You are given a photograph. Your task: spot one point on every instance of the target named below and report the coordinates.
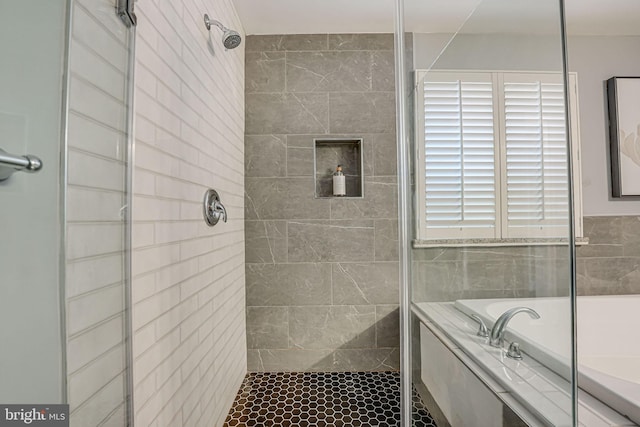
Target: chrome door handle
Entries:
(214, 210)
(10, 163)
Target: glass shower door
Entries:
(490, 246)
(97, 214)
(65, 98)
(32, 45)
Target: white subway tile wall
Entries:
(188, 279)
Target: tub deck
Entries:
(539, 387)
(608, 350)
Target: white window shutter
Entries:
(535, 158)
(493, 151)
(459, 168)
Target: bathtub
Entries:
(608, 342)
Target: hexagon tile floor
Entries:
(316, 399)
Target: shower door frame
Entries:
(128, 228)
(404, 210)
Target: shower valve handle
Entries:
(213, 209)
(219, 210)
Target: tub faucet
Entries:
(496, 337)
(482, 329)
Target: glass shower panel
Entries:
(491, 261)
(65, 98)
(97, 248)
(32, 44)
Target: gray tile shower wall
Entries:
(321, 274)
(608, 265)
(448, 274)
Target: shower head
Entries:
(230, 38)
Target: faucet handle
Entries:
(514, 351)
(220, 210)
(482, 330)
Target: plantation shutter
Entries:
(459, 184)
(492, 151)
(535, 157)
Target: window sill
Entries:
(452, 243)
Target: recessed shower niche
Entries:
(328, 155)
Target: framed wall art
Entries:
(623, 94)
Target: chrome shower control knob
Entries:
(219, 210)
(213, 209)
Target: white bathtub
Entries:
(608, 342)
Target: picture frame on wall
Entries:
(623, 95)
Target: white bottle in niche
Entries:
(339, 186)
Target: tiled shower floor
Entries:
(323, 399)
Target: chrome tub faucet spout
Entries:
(496, 337)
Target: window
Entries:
(492, 156)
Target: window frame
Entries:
(500, 233)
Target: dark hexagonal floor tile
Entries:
(323, 399)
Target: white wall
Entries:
(597, 59)
(487, 52)
(188, 288)
(593, 58)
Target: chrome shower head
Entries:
(230, 38)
